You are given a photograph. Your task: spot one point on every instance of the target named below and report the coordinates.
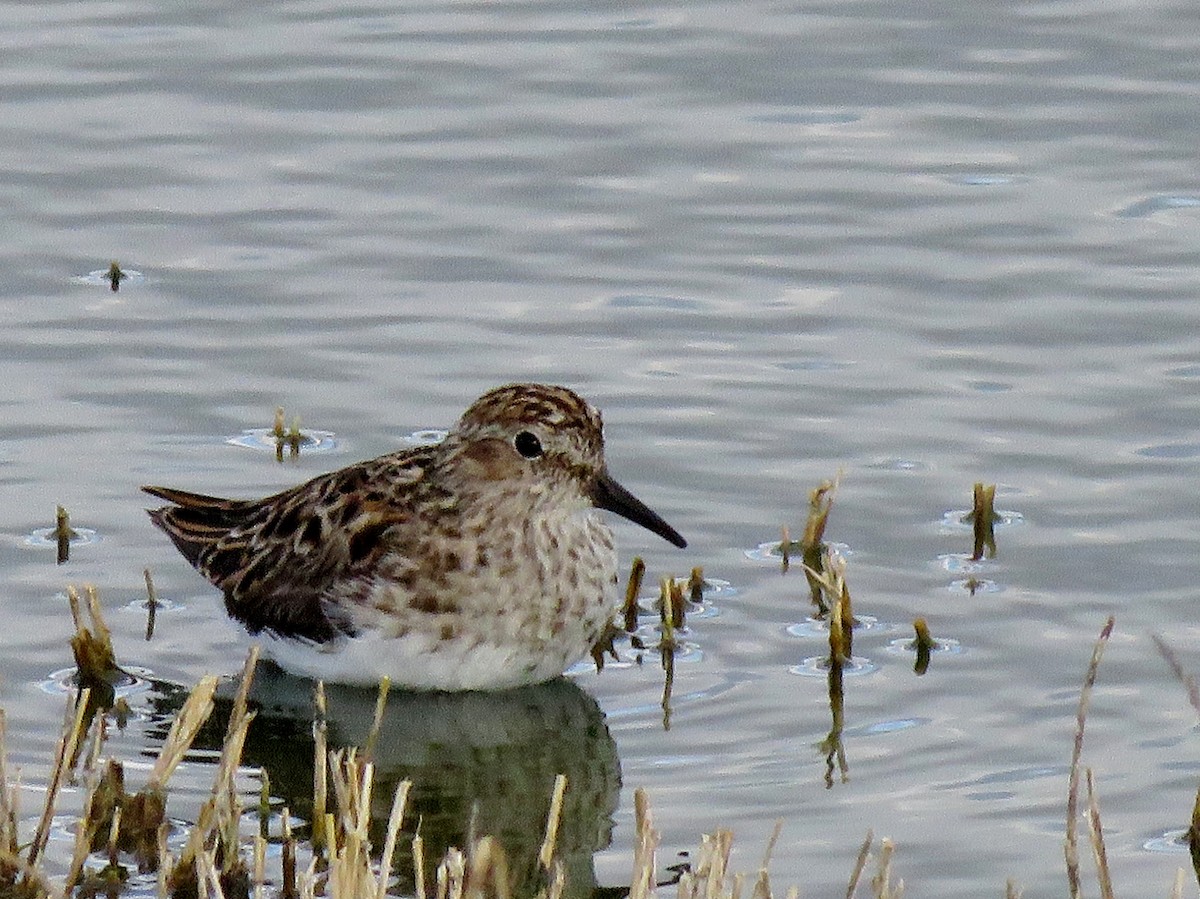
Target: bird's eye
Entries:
(528, 445)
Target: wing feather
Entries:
(275, 558)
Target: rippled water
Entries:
(922, 243)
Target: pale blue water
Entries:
(921, 243)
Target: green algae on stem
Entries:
(63, 533)
(983, 520)
(831, 582)
(95, 658)
(840, 637)
(835, 599)
(295, 437)
(607, 646)
(637, 571)
(292, 438)
(670, 609)
(695, 585)
(115, 276)
(811, 545)
(677, 604)
(924, 644)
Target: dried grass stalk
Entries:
(1071, 843)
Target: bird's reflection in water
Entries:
(480, 763)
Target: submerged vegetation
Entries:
(115, 276)
(63, 534)
(290, 437)
(983, 521)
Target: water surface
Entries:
(924, 244)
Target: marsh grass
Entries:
(218, 859)
(290, 438)
(812, 546)
(923, 644)
(120, 830)
(115, 276)
(63, 532)
(982, 519)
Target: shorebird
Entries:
(477, 563)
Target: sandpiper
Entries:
(473, 564)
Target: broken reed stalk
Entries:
(666, 612)
(347, 826)
(645, 842)
(289, 888)
(196, 709)
(1177, 887)
(418, 857)
(677, 603)
(670, 608)
(762, 886)
(711, 869)
(452, 874)
(924, 644)
(295, 437)
(92, 646)
(860, 865)
(553, 819)
(845, 614)
(812, 543)
(319, 838)
(1071, 843)
(62, 534)
(279, 432)
(67, 743)
(637, 571)
(668, 663)
(785, 549)
(881, 883)
(385, 686)
(1096, 834)
(983, 520)
(85, 833)
(395, 822)
(830, 580)
(151, 605)
(487, 872)
(212, 853)
(264, 804)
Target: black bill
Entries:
(608, 494)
